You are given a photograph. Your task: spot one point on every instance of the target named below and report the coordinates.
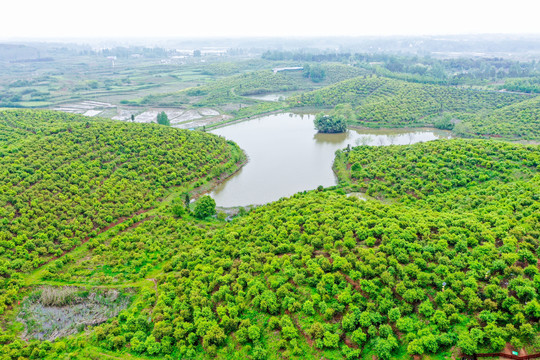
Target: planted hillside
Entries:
(325, 275)
(264, 81)
(521, 120)
(69, 178)
(436, 167)
(451, 266)
(381, 101)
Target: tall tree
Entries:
(163, 119)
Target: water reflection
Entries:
(287, 155)
(331, 138)
(271, 97)
(381, 137)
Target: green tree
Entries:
(178, 209)
(317, 73)
(331, 340)
(204, 206)
(467, 344)
(163, 119)
(254, 333)
(334, 123)
(394, 314)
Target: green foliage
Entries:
(330, 123)
(310, 274)
(528, 85)
(444, 122)
(315, 73)
(379, 101)
(65, 179)
(521, 120)
(437, 167)
(178, 209)
(163, 119)
(232, 88)
(204, 206)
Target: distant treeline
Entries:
(423, 69)
(32, 60)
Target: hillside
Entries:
(322, 274)
(236, 88)
(67, 179)
(436, 167)
(380, 101)
(446, 263)
(521, 120)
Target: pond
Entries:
(287, 155)
(271, 96)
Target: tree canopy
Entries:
(163, 119)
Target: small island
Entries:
(336, 121)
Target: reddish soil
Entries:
(294, 319)
(349, 343)
(134, 225)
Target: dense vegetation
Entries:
(380, 101)
(452, 262)
(528, 85)
(380, 97)
(330, 123)
(336, 121)
(322, 274)
(443, 259)
(436, 167)
(68, 179)
(517, 120)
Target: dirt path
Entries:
(87, 238)
(294, 319)
(155, 289)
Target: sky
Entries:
(274, 18)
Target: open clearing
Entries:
(53, 312)
(179, 118)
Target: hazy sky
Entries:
(202, 18)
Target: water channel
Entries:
(287, 155)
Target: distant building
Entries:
(297, 68)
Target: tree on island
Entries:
(163, 119)
(330, 123)
(336, 121)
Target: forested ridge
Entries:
(445, 261)
(380, 101)
(66, 179)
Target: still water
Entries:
(271, 96)
(287, 155)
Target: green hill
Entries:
(381, 101)
(447, 263)
(521, 120)
(68, 179)
(436, 167)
